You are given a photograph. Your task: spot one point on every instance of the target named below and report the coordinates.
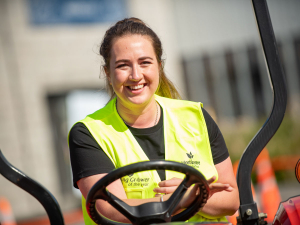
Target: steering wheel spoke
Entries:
(177, 195)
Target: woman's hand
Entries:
(169, 186)
(217, 187)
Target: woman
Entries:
(143, 121)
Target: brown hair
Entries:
(130, 26)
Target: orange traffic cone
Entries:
(269, 191)
(6, 216)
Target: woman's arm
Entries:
(225, 202)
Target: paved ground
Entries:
(288, 190)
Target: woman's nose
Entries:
(136, 73)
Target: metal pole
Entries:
(35, 189)
(248, 209)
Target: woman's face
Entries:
(134, 70)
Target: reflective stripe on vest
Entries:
(186, 141)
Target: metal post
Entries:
(248, 209)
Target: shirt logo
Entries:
(190, 155)
(135, 181)
(190, 161)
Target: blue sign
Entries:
(44, 12)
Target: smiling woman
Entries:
(146, 120)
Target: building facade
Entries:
(50, 73)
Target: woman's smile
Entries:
(136, 87)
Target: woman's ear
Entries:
(107, 74)
(160, 65)
(106, 70)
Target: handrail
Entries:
(39, 192)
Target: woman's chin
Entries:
(139, 100)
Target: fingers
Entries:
(167, 186)
(158, 195)
(216, 187)
(209, 181)
(168, 183)
(166, 190)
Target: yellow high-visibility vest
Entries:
(186, 141)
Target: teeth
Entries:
(136, 87)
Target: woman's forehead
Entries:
(133, 44)
(131, 38)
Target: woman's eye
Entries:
(146, 62)
(121, 65)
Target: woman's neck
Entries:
(140, 116)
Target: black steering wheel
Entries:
(151, 212)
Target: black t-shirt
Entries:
(88, 158)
